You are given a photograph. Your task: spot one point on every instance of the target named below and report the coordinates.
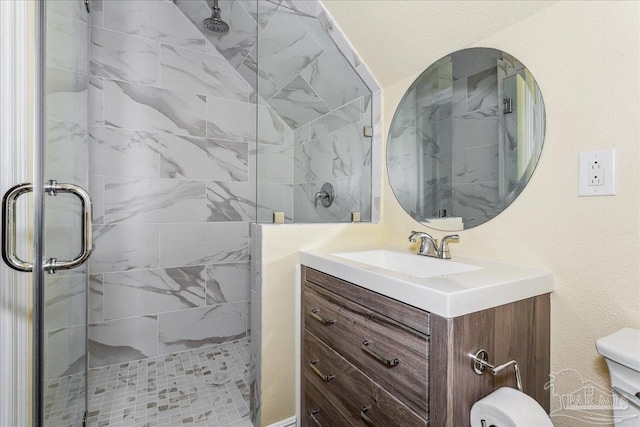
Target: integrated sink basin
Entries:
(448, 288)
(407, 263)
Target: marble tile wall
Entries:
(300, 101)
(301, 52)
(172, 132)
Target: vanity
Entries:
(388, 337)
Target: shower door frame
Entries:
(15, 288)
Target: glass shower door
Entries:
(67, 230)
(57, 217)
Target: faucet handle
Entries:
(444, 246)
(417, 235)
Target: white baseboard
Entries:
(289, 422)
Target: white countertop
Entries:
(488, 284)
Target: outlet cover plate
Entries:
(606, 159)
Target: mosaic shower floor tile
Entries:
(202, 387)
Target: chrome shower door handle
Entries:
(9, 228)
(52, 188)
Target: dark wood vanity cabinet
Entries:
(369, 360)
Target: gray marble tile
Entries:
(231, 201)
(122, 152)
(96, 101)
(482, 89)
(66, 349)
(195, 72)
(348, 157)
(302, 135)
(136, 293)
(321, 76)
(124, 340)
(338, 119)
(200, 158)
(274, 198)
(256, 77)
(67, 153)
(365, 198)
(310, 7)
(475, 129)
(298, 104)
(236, 44)
(204, 243)
(368, 78)
(68, 91)
(460, 167)
(301, 203)
(67, 43)
(228, 283)
(475, 203)
(286, 47)
(274, 163)
(200, 327)
(233, 45)
(459, 97)
(483, 164)
(96, 189)
(313, 160)
(231, 120)
(96, 298)
(97, 13)
(65, 301)
(261, 10)
(339, 39)
(134, 106)
(69, 9)
(156, 20)
(147, 200)
(124, 57)
(124, 247)
(271, 128)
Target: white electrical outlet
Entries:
(597, 173)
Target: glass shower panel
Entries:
(65, 161)
(313, 109)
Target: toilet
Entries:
(621, 350)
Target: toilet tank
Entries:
(622, 353)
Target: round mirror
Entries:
(465, 139)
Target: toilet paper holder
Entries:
(481, 363)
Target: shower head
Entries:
(215, 23)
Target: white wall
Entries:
(585, 59)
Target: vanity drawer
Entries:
(350, 391)
(391, 354)
(413, 317)
(317, 411)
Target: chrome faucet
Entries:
(429, 246)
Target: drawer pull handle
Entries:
(380, 358)
(365, 417)
(315, 315)
(325, 378)
(312, 415)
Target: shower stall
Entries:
(185, 121)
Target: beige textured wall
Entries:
(585, 57)
(281, 244)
